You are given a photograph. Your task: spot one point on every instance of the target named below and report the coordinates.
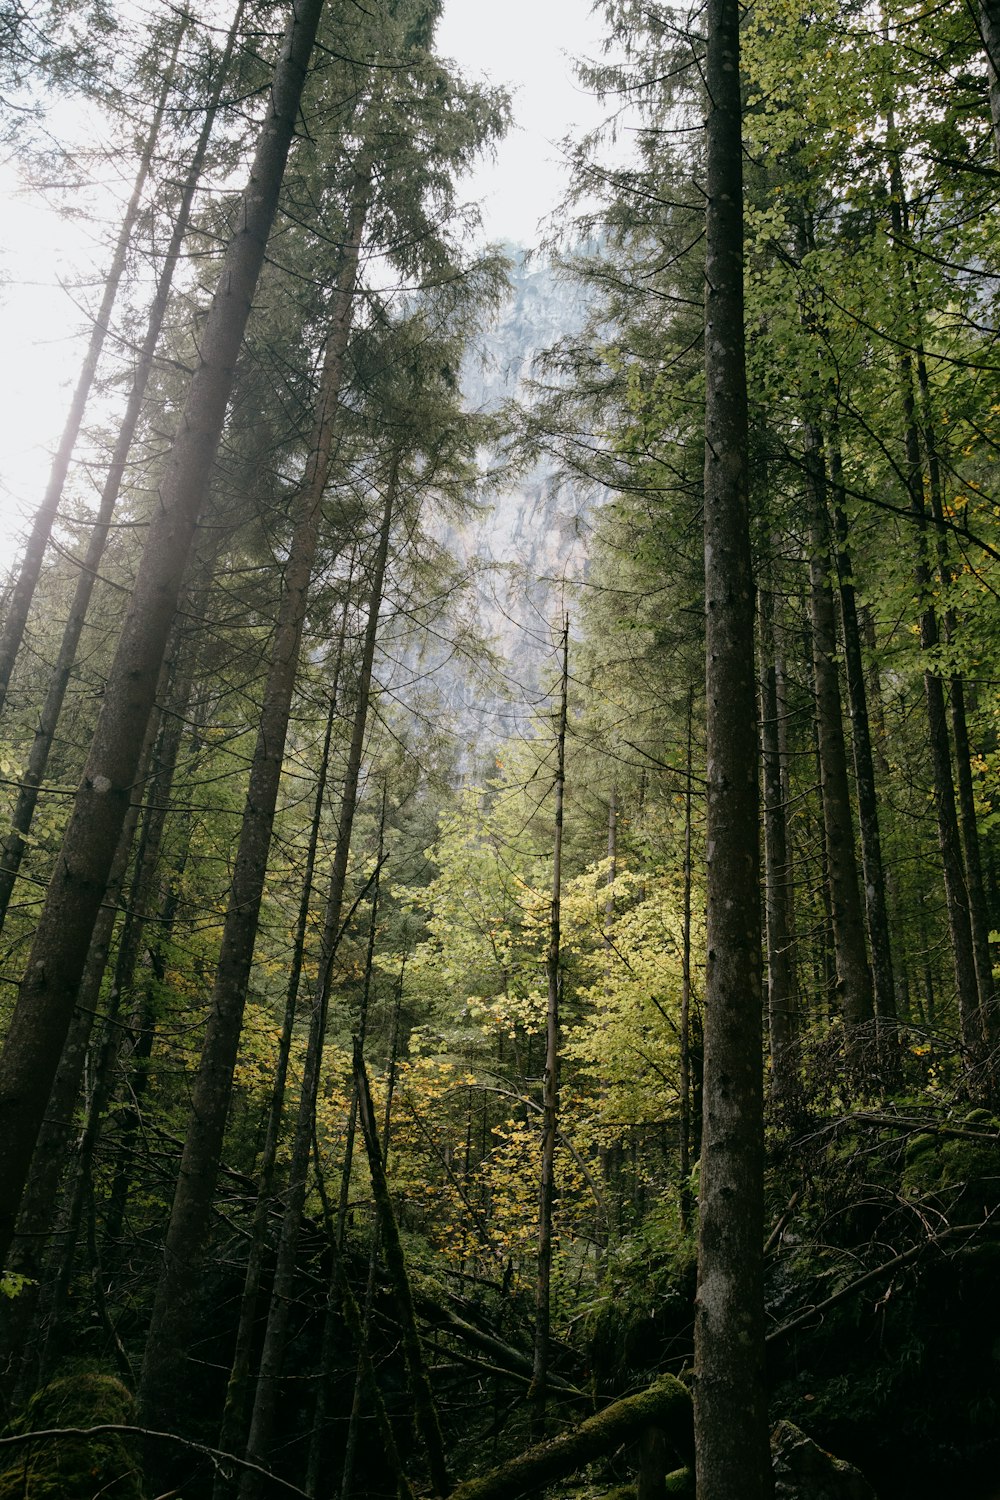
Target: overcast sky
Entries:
(528, 45)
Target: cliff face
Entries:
(524, 550)
(530, 541)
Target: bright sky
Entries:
(527, 45)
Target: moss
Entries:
(666, 1404)
(953, 1169)
(74, 1468)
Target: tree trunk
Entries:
(24, 809)
(854, 980)
(684, 1070)
(192, 1206)
(873, 869)
(989, 30)
(272, 1357)
(321, 1406)
(949, 840)
(47, 1227)
(45, 1000)
(232, 1436)
(781, 998)
(731, 1434)
(19, 603)
(979, 921)
(537, 1393)
(423, 1399)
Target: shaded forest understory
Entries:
(361, 1104)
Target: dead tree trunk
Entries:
(665, 1406)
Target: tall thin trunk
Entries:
(854, 980)
(979, 922)
(684, 1079)
(45, 999)
(15, 843)
(989, 30)
(321, 1407)
(12, 631)
(949, 839)
(272, 1357)
(425, 1410)
(731, 1433)
(609, 898)
(358, 1323)
(352, 1116)
(538, 1390)
(781, 996)
(43, 1248)
(872, 865)
(192, 1205)
(238, 1390)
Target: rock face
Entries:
(804, 1471)
(529, 543)
(525, 549)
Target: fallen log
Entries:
(666, 1405)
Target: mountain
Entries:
(528, 545)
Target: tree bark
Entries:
(731, 1435)
(45, 1000)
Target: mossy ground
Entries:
(74, 1468)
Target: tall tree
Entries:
(550, 1075)
(45, 1000)
(731, 1434)
(15, 842)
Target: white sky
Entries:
(527, 45)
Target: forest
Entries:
(449, 1054)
